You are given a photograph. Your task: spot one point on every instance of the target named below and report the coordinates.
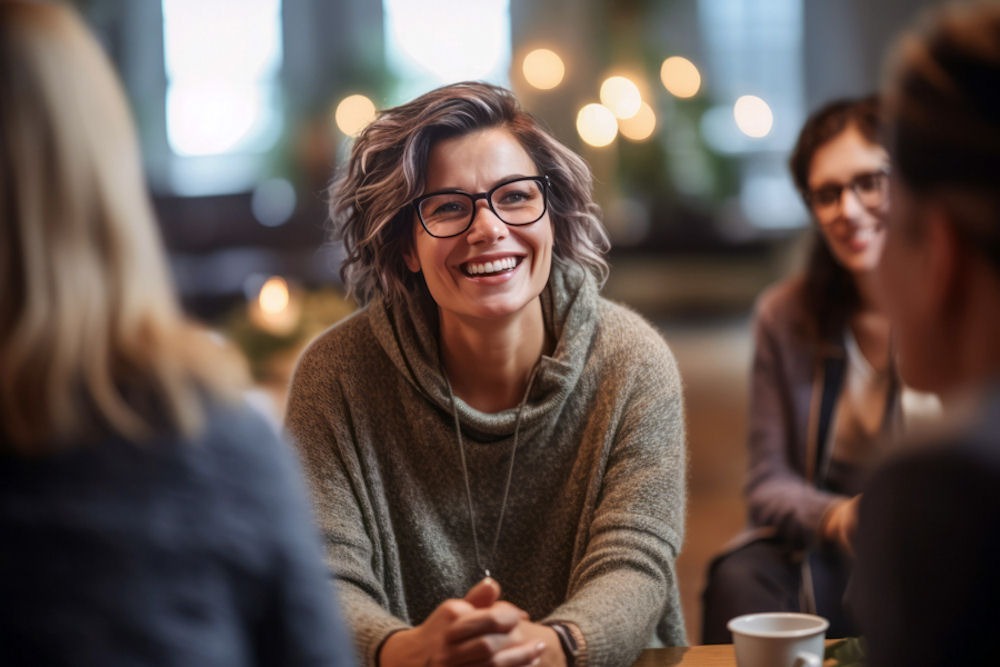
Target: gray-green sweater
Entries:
(596, 512)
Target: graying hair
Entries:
(370, 198)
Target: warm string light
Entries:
(543, 69)
(753, 116)
(353, 114)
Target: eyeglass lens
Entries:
(517, 202)
(869, 188)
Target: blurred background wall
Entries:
(246, 107)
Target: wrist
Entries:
(574, 646)
(401, 648)
(829, 522)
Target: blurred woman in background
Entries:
(146, 516)
(824, 391)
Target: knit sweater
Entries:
(595, 517)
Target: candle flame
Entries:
(273, 297)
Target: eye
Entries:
(445, 206)
(516, 194)
(868, 182)
(826, 195)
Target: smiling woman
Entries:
(824, 389)
(537, 434)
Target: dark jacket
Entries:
(165, 553)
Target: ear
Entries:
(945, 279)
(411, 259)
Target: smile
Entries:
(491, 268)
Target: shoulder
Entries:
(782, 302)
(782, 313)
(349, 341)
(625, 337)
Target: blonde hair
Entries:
(370, 200)
(92, 341)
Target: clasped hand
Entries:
(478, 630)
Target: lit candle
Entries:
(276, 309)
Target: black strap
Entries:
(833, 379)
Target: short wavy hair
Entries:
(370, 198)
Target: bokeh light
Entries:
(353, 114)
(274, 295)
(596, 125)
(680, 77)
(753, 116)
(621, 96)
(543, 69)
(640, 126)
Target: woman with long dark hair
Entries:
(824, 391)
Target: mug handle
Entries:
(807, 660)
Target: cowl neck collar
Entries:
(408, 333)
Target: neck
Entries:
(974, 356)
(870, 324)
(869, 299)
(489, 362)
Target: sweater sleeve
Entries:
(777, 492)
(624, 589)
(319, 423)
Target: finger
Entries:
(484, 593)
(522, 655)
(501, 618)
(484, 654)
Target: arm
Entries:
(318, 421)
(465, 632)
(777, 491)
(624, 587)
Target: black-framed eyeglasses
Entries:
(517, 202)
(871, 188)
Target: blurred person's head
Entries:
(416, 149)
(91, 338)
(840, 168)
(941, 269)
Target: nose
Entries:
(486, 226)
(850, 205)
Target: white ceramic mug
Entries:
(779, 639)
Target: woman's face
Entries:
(455, 268)
(849, 198)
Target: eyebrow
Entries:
(503, 179)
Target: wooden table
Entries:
(711, 655)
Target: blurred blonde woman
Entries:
(146, 516)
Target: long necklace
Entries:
(465, 474)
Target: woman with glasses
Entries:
(824, 392)
(496, 452)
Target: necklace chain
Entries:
(465, 474)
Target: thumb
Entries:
(483, 594)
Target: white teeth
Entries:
(504, 264)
